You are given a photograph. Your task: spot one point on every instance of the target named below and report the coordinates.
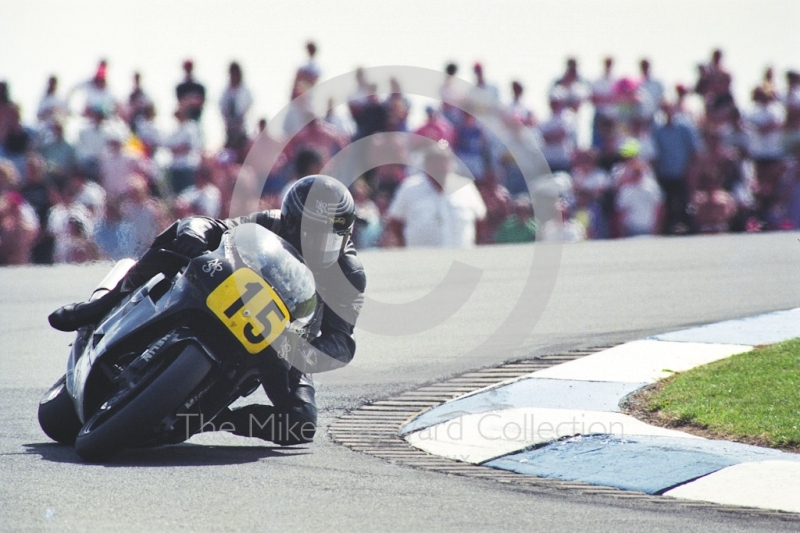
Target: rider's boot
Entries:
(265, 422)
(74, 316)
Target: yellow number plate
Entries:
(250, 308)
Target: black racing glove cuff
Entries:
(196, 235)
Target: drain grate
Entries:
(373, 428)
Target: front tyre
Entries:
(57, 416)
(102, 436)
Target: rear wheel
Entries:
(130, 416)
(57, 416)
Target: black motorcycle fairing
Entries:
(206, 305)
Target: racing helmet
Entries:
(317, 216)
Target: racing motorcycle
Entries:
(183, 346)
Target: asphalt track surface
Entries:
(606, 292)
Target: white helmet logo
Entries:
(322, 208)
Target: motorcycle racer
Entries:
(316, 218)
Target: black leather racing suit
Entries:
(293, 416)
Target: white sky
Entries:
(527, 40)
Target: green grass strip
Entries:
(750, 395)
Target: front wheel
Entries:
(57, 416)
(109, 431)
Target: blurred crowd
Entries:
(660, 159)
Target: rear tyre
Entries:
(106, 433)
(57, 416)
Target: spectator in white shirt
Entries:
(652, 89)
(765, 121)
(65, 213)
(89, 194)
(792, 98)
(576, 88)
(451, 95)
(440, 208)
(96, 93)
(603, 98)
(186, 145)
(518, 109)
(117, 163)
(310, 71)
(145, 214)
(484, 95)
(558, 132)
(52, 108)
(91, 143)
(791, 136)
(765, 143)
(639, 198)
(146, 130)
(234, 104)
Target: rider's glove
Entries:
(193, 236)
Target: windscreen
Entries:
(279, 264)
